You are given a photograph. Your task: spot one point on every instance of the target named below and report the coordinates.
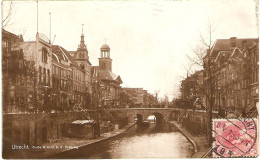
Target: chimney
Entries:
(233, 42)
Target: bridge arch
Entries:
(160, 118)
(160, 114)
(139, 118)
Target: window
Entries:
(20, 63)
(22, 81)
(5, 65)
(48, 78)
(40, 74)
(58, 84)
(44, 55)
(18, 80)
(4, 44)
(44, 76)
(61, 83)
(64, 85)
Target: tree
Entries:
(166, 99)
(202, 58)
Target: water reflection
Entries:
(146, 145)
(159, 145)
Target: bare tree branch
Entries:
(6, 19)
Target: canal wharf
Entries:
(64, 145)
(200, 143)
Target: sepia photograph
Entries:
(129, 79)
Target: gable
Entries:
(119, 79)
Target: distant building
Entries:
(136, 96)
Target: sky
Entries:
(149, 40)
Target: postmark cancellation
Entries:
(235, 138)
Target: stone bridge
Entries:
(162, 114)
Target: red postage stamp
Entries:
(235, 138)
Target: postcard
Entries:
(128, 79)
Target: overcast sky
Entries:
(149, 40)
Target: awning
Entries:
(83, 122)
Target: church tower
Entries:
(105, 62)
(82, 58)
(81, 55)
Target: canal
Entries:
(139, 142)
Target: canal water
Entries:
(139, 142)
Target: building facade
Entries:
(233, 70)
(230, 74)
(27, 84)
(62, 92)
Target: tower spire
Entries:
(82, 29)
(37, 17)
(82, 42)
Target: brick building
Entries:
(62, 80)
(233, 73)
(233, 65)
(12, 63)
(74, 79)
(27, 91)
